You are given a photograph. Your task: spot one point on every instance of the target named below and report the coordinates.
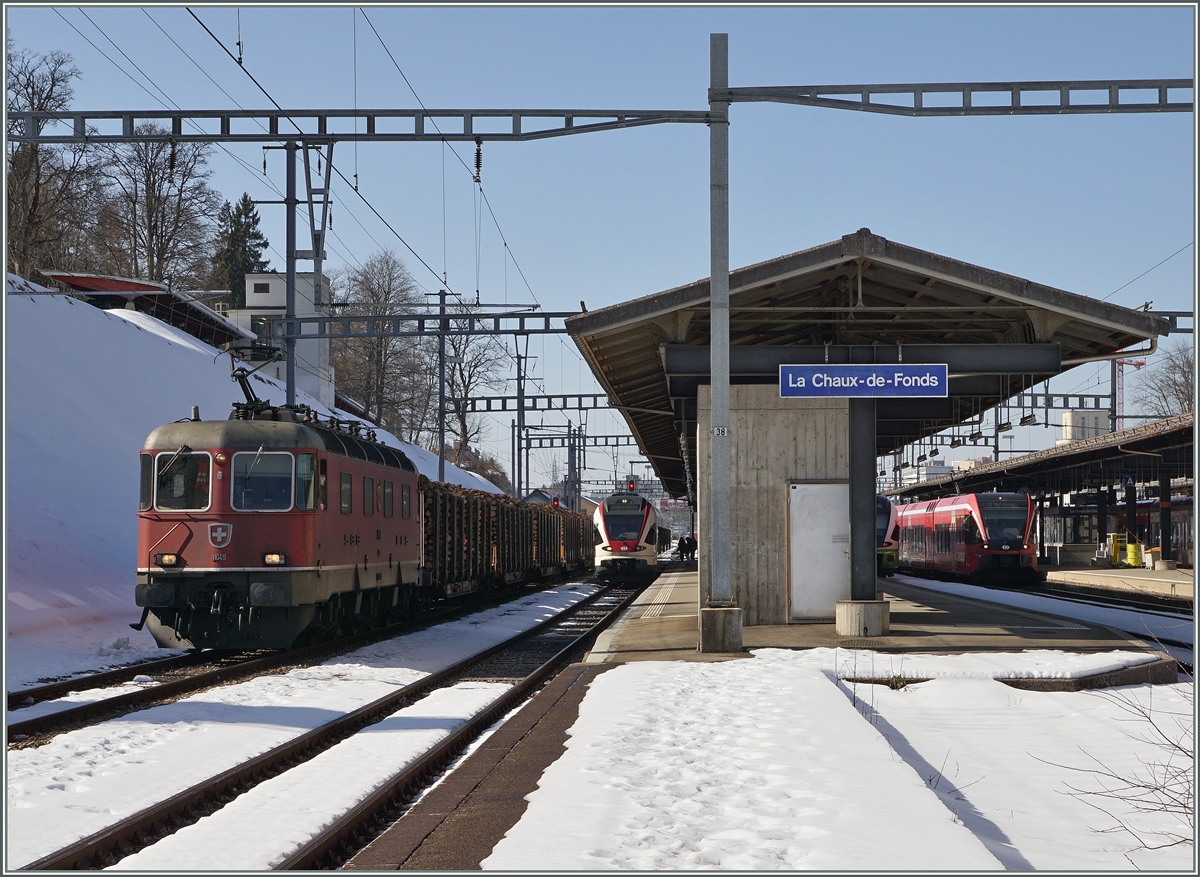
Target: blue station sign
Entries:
(864, 381)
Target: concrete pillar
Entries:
(720, 621)
(1164, 516)
(862, 499)
(720, 629)
(864, 618)
(1102, 514)
(1131, 529)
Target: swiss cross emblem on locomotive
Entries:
(219, 535)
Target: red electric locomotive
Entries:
(978, 536)
(275, 527)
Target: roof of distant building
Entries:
(175, 308)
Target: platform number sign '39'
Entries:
(219, 535)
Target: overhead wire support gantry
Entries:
(314, 126)
(998, 98)
(415, 325)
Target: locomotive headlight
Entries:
(166, 559)
(274, 559)
(221, 458)
(985, 545)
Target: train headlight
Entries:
(274, 559)
(985, 545)
(166, 559)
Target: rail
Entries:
(134, 832)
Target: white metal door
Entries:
(818, 549)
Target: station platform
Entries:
(662, 625)
(458, 823)
(1178, 583)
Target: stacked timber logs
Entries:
(475, 541)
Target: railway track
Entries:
(546, 648)
(1106, 597)
(186, 674)
(29, 696)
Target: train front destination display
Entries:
(863, 381)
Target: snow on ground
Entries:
(85, 780)
(262, 827)
(78, 698)
(83, 389)
(777, 764)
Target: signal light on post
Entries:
(632, 484)
(554, 502)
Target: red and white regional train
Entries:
(628, 529)
(979, 536)
(274, 528)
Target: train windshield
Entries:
(883, 517)
(623, 527)
(262, 481)
(181, 481)
(1004, 517)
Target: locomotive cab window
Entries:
(347, 493)
(182, 481)
(387, 499)
(146, 498)
(405, 501)
(262, 481)
(306, 481)
(323, 487)
(368, 496)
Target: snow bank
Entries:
(84, 387)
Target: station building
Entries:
(799, 465)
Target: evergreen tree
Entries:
(240, 247)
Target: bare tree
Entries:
(1162, 785)
(390, 377)
(1167, 386)
(161, 222)
(54, 193)
(477, 362)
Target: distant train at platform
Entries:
(980, 537)
(886, 537)
(276, 528)
(628, 533)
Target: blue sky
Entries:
(1084, 203)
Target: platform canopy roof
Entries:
(862, 298)
(1144, 453)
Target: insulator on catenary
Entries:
(478, 157)
(171, 159)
